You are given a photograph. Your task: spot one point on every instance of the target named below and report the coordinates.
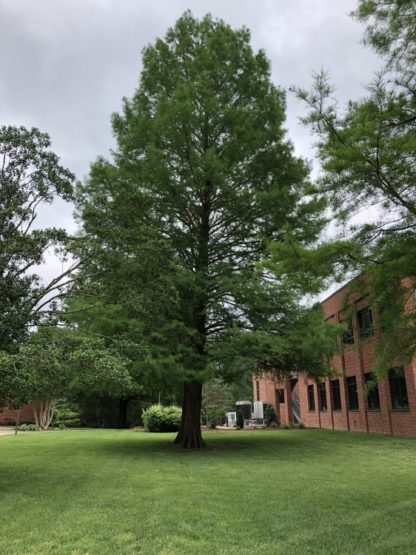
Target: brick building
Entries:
(340, 402)
(9, 416)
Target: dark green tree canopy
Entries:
(30, 174)
(203, 172)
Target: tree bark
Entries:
(43, 412)
(190, 436)
(17, 423)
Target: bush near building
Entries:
(216, 416)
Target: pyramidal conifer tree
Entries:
(202, 179)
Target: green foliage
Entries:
(367, 155)
(219, 397)
(269, 414)
(99, 370)
(216, 416)
(107, 411)
(66, 416)
(217, 392)
(240, 420)
(391, 29)
(158, 418)
(30, 174)
(56, 363)
(13, 386)
(27, 428)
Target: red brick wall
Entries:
(268, 387)
(8, 416)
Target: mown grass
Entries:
(272, 492)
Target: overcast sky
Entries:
(65, 65)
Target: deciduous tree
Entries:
(55, 364)
(30, 174)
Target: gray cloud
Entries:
(66, 65)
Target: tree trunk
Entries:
(189, 435)
(17, 423)
(123, 404)
(43, 412)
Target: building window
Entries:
(373, 398)
(398, 389)
(352, 393)
(336, 395)
(322, 396)
(311, 398)
(281, 395)
(383, 315)
(348, 334)
(258, 390)
(365, 322)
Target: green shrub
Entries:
(157, 418)
(27, 428)
(66, 416)
(216, 416)
(269, 414)
(70, 423)
(240, 419)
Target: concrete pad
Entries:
(6, 431)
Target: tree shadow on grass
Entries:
(227, 445)
(300, 446)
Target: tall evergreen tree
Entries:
(203, 178)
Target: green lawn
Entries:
(271, 492)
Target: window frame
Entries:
(347, 337)
(396, 383)
(365, 328)
(373, 394)
(311, 406)
(338, 399)
(322, 398)
(353, 408)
